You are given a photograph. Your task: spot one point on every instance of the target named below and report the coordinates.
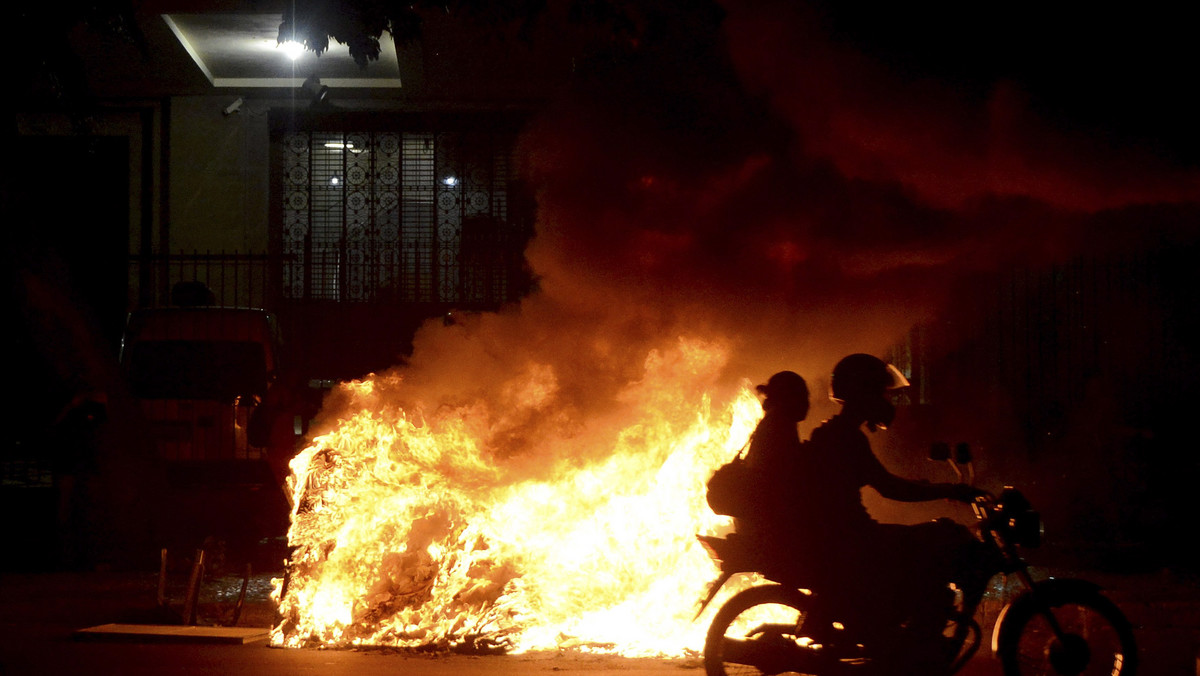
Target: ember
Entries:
(411, 531)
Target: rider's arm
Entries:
(906, 490)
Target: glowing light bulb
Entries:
(292, 49)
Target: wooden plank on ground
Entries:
(171, 633)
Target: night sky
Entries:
(1122, 73)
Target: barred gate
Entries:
(421, 217)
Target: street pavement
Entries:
(41, 614)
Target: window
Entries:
(219, 370)
(400, 216)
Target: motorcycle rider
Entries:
(878, 574)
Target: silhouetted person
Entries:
(877, 574)
(480, 257)
(774, 450)
(75, 463)
(192, 294)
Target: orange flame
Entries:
(408, 532)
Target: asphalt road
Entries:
(131, 659)
(41, 614)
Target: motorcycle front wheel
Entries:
(758, 631)
(1093, 637)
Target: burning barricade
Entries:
(410, 529)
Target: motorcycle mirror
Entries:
(962, 453)
(939, 450)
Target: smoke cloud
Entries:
(781, 194)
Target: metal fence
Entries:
(491, 272)
(222, 278)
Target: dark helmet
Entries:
(783, 385)
(785, 393)
(862, 376)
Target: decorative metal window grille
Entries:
(416, 217)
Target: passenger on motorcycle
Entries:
(774, 448)
(877, 574)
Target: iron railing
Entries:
(492, 272)
(231, 279)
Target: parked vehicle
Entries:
(1055, 626)
(198, 374)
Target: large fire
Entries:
(409, 531)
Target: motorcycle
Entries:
(1052, 626)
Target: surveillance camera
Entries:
(233, 107)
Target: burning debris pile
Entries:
(410, 531)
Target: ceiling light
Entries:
(292, 49)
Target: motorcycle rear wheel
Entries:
(1098, 639)
(758, 631)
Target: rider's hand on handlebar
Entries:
(963, 493)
